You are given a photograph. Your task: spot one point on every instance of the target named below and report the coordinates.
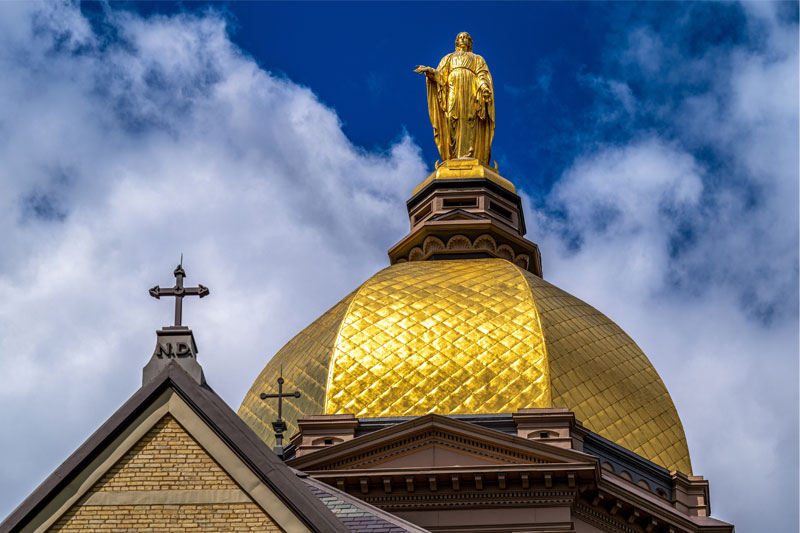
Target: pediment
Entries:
(431, 452)
(434, 441)
(458, 214)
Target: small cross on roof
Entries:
(279, 426)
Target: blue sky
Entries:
(655, 146)
(544, 57)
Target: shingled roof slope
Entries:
(357, 515)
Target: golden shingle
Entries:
(473, 336)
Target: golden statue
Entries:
(461, 103)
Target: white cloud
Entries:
(696, 256)
(621, 205)
(119, 154)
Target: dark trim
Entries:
(623, 459)
(219, 417)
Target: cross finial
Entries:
(279, 426)
(179, 291)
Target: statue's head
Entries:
(464, 42)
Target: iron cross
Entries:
(179, 291)
(279, 426)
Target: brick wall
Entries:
(167, 458)
(172, 518)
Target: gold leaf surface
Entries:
(468, 337)
(440, 337)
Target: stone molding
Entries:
(472, 500)
(166, 497)
(601, 520)
(377, 447)
(431, 438)
(460, 243)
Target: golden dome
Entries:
(472, 336)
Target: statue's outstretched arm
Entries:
(428, 71)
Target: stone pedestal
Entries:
(466, 210)
(174, 343)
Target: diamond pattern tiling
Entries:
(597, 371)
(465, 337)
(440, 336)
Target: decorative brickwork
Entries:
(167, 460)
(141, 518)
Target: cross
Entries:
(279, 426)
(179, 291)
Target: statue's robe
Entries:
(461, 114)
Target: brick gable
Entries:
(165, 482)
(166, 458)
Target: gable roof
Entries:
(219, 418)
(458, 214)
